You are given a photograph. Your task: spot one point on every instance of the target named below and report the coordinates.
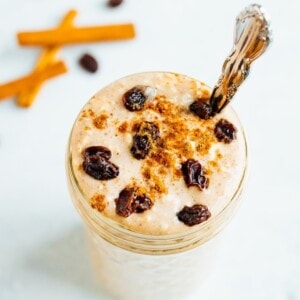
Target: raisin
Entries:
(130, 201)
(193, 174)
(142, 203)
(149, 128)
(202, 109)
(141, 146)
(98, 151)
(114, 3)
(96, 163)
(135, 98)
(89, 63)
(100, 168)
(124, 202)
(194, 215)
(225, 131)
(147, 134)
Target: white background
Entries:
(42, 249)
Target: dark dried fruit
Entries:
(141, 146)
(98, 151)
(147, 134)
(193, 174)
(100, 168)
(96, 163)
(149, 128)
(89, 63)
(202, 109)
(142, 203)
(114, 3)
(225, 131)
(130, 201)
(135, 98)
(194, 215)
(124, 202)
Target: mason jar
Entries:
(132, 265)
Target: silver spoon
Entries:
(253, 35)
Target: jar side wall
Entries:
(130, 275)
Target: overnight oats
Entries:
(155, 176)
(156, 165)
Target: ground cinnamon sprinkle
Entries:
(98, 202)
(83, 115)
(162, 158)
(219, 155)
(161, 105)
(91, 112)
(123, 127)
(100, 122)
(204, 140)
(136, 124)
(155, 184)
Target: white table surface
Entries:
(42, 249)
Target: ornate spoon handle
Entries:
(252, 37)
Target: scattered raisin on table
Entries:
(96, 163)
(225, 131)
(193, 174)
(89, 63)
(114, 3)
(135, 98)
(202, 109)
(129, 201)
(194, 215)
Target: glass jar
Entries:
(132, 265)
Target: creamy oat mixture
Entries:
(158, 176)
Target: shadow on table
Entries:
(66, 261)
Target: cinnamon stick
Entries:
(76, 35)
(15, 87)
(27, 96)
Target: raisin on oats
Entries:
(135, 98)
(142, 203)
(149, 128)
(98, 151)
(202, 109)
(225, 131)
(124, 202)
(129, 201)
(141, 146)
(96, 163)
(147, 134)
(194, 215)
(193, 174)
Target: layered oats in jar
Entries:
(155, 176)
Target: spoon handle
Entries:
(253, 35)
